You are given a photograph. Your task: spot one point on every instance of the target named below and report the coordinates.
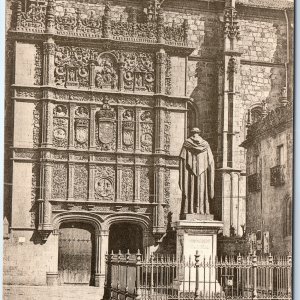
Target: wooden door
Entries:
(75, 254)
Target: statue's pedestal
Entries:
(197, 233)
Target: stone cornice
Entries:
(276, 121)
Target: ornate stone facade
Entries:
(99, 102)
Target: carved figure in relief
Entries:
(81, 112)
(197, 172)
(104, 187)
(60, 111)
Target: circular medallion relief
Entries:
(104, 187)
(59, 133)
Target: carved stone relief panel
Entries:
(106, 128)
(72, 66)
(146, 130)
(38, 66)
(36, 125)
(127, 184)
(59, 181)
(167, 132)
(34, 192)
(146, 184)
(105, 183)
(139, 71)
(106, 72)
(80, 182)
(128, 130)
(60, 126)
(81, 124)
(168, 76)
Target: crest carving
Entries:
(106, 118)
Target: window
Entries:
(280, 155)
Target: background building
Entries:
(269, 147)
(99, 99)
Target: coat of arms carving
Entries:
(106, 122)
(81, 131)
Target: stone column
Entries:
(92, 126)
(161, 58)
(48, 62)
(71, 181)
(71, 126)
(119, 183)
(92, 75)
(159, 186)
(50, 17)
(91, 192)
(229, 115)
(137, 183)
(119, 129)
(101, 250)
(137, 130)
(45, 211)
(159, 127)
(47, 124)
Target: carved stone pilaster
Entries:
(92, 75)
(159, 227)
(160, 26)
(71, 181)
(18, 14)
(71, 126)
(45, 225)
(91, 182)
(50, 17)
(107, 21)
(121, 74)
(119, 184)
(47, 124)
(92, 127)
(119, 136)
(48, 62)
(159, 127)
(137, 183)
(161, 59)
(137, 135)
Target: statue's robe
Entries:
(197, 172)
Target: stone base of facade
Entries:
(197, 217)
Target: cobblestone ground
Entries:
(18, 292)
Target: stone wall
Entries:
(270, 204)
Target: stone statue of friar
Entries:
(197, 172)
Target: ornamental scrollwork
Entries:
(146, 178)
(167, 129)
(72, 22)
(60, 132)
(147, 131)
(33, 18)
(36, 125)
(127, 184)
(59, 181)
(80, 182)
(128, 129)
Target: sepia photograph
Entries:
(148, 150)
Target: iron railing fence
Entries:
(163, 277)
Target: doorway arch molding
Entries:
(89, 218)
(142, 221)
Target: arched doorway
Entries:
(125, 236)
(76, 253)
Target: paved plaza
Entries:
(18, 292)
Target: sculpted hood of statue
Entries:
(197, 172)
